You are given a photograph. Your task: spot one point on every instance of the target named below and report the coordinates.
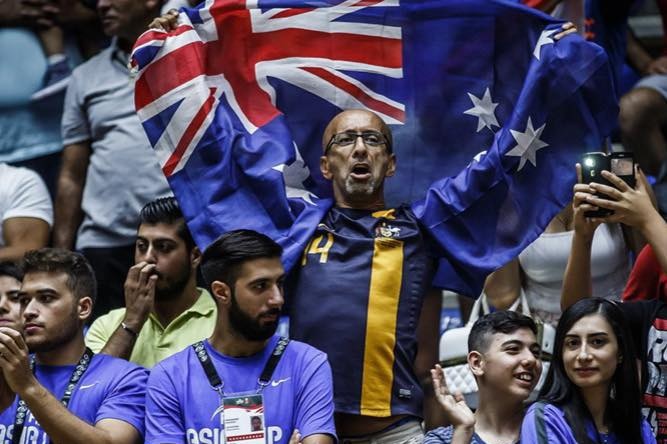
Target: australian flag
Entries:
(489, 114)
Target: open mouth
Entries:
(525, 377)
(361, 171)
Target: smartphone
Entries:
(623, 165)
(592, 165)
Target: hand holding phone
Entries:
(621, 164)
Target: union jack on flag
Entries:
(236, 98)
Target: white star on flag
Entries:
(483, 109)
(545, 39)
(294, 175)
(528, 143)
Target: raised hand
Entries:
(583, 226)
(631, 206)
(139, 294)
(166, 22)
(453, 405)
(15, 362)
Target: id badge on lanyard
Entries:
(241, 414)
(243, 418)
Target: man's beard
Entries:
(367, 188)
(173, 288)
(251, 329)
(67, 330)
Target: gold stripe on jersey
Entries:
(387, 214)
(383, 297)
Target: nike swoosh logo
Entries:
(87, 386)
(278, 382)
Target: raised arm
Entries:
(577, 278)
(454, 408)
(139, 298)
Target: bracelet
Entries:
(132, 333)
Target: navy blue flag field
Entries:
(480, 97)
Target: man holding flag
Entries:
(250, 88)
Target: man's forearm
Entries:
(120, 344)
(68, 213)
(655, 233)
(428, 334)
(58, 423)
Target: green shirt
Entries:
(155, 342)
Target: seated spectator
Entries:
(504, 358)
(62, 392)
(25, 210)
(591, 393)
(243, 355)
(165, 310)
(109, 169)
(648, 319)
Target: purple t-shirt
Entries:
(111, 388)
(181, 406)
(546, 424)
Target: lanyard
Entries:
(214, 377)
(22, 410)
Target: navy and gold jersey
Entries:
(357, 296)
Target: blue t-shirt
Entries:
(546, 424)
(111, 388)
(444, 435)
(182, 407)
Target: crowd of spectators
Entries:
(116, 328)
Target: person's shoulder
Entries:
(303, 350)
(112, 317)
(12, 175)
(175, 361)
(113, 364)
(544, 411)
(91, 66)
(440, 435)
(117, 372)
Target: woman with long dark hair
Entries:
(591, 394)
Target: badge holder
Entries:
(241, 414)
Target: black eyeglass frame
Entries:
(361, 134)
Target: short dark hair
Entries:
(222, 260)
(11, 269)
(80, 277)
(503, 321)
(165, 210)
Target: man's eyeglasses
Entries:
(371, 139)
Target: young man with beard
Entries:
(211, 391)
(504, 358)
(55, 389)
(165, 310)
